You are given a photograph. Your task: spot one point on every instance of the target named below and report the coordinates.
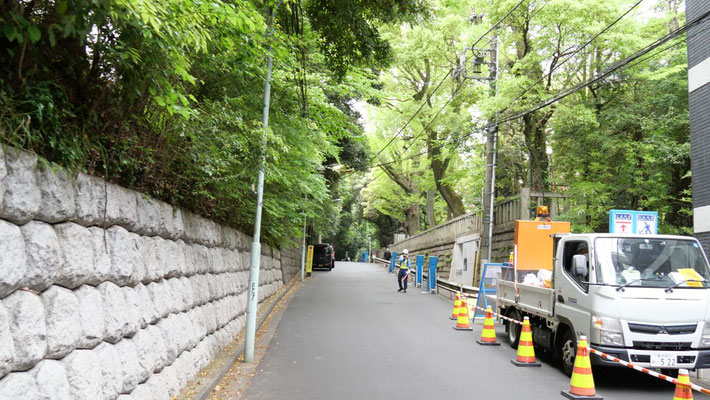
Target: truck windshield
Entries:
(650, 262)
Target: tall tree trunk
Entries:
(439, 165)
(411, 221)
(430, 217)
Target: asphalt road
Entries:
(348, 334)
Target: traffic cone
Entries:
(683, 392)
(582, 384)
(526, 351)
(488, 335)
(457, 304)
(462, 321)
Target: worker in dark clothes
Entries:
(404, 266)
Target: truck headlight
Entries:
(607, 331)
(705, 338)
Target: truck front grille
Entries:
(662, 345)
(669, 329)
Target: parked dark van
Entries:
(323, 256)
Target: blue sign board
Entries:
(628, 221)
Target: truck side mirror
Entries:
(579, 265)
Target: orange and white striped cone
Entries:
(462, 322)
(581, 385)
(683, 392)
(457, 304)
(488, 335)
(526, 351)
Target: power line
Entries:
(619, 65)
(573, 54)
(444, 79)
(626, 63)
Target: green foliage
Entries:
(166, 97)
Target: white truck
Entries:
(641, 298)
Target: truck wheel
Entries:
(513, 329)
(568, 352)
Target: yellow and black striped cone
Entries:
(457, 304)
(462, 322)
(683, 392)
(488, 335)
(581, 385)
(526, 351)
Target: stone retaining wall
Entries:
(106, 294)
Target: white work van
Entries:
(641, 298)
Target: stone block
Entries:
(176, 288)
(13, 263)
(127, 397)
(102, 256)
(89, 199)
(19, 385)
(22, 197)
(198, 295)
(146, 214)
(61, 308)
(133, 311)
(111, 370)
(77, 265)
(121, 207)
(184, 268)
(188, 296)
(28, 328)
(162, 250)
(246, 261)
(56, 194)
(7, 345)
(178, 231)
(51, 379)
(116, 312)
(125, 258)
(146, 247)
(131, 371)
(91, 317)
(147, 351)
(84, 374)
(159, 348)
(159, 298)
(148, 312)
(201, 258)
(168, 328)
(150, 390)
(172, 264)
(210, 317)
(165, 222)
(169, 381)
(139, 268)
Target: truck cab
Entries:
(641, 298)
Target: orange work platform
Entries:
(534, 243)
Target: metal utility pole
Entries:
(253, 298)
(303, 250)
(491, 137)
(491, 153)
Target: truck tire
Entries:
(513, 329)
(567, 351)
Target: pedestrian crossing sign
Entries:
(634, 222)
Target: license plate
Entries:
(663, 360)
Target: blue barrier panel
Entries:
(392, 262)
(420, 268)
(489, 282)
(433, 260)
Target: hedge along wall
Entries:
(105, 293)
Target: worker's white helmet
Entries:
(405, 251)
